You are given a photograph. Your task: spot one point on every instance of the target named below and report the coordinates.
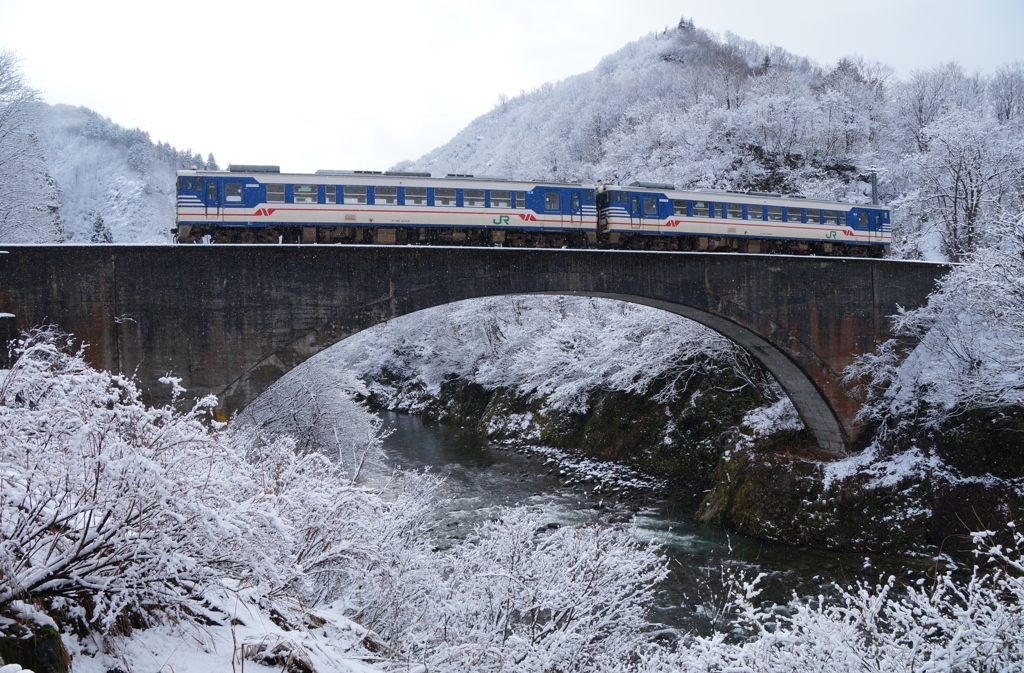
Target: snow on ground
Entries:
(330, 643)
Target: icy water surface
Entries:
(481, 477)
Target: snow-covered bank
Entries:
(141, 539)
(151, 540)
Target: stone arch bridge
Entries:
(231, 320)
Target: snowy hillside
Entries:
(104, 170)
(28, 220)
(689, 108)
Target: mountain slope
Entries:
(29, 206)
(699, 111)
(103, 170)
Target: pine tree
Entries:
(100, 231)
(211, 163)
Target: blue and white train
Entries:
(259, 204)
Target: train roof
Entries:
(400, 178)
(724, 196)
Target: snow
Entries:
(700, 111)
(777, 417)
(103, 169)
(331, 645)
(970, 350)
(557, 349)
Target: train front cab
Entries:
(872, 222)
(645, 211)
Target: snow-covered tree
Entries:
(100, 231)
(971, 170)
(114, 510)
(970, 346)
(1006, 91)
(16, 107)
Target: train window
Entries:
(444, 197)
(735, 211)
(588, 194)
(520, 199)
(500, 199)
(701, 209)
(211, 191)
(862, 220)
(650, 206)
(775, 213)
(385, 195)
(181, 184)
(793, 215)
(679, 207)
(575, 202)
(304, 193)
(275, 193)
(355, 194)
(552, 201)
(813, 216)
(829, 217)
(415, 196)
(842, 219)
(473, 198)
(233, 192)
(330, 194)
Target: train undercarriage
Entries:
(478, 237)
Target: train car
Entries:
(658, 216)
(259, 204)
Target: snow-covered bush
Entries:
(972, 624)
(970, 350)
(317, 407)
(112, 510)
(516, 596)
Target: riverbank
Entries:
(482, 476)
(745, 464)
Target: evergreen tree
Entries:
(100, 231)
(211, 163)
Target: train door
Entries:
(874, 227)
(649, 212)
(553, 207)
(212, 202)
(233, 202)
(575, 209)
(635, 221)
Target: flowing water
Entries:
(481, 477)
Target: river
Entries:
(481, 477)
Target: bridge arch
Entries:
(231, 320)
(810, 402)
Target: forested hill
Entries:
(688, 107)
(113, 182)
(78, 177)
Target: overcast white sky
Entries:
(344, 84)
